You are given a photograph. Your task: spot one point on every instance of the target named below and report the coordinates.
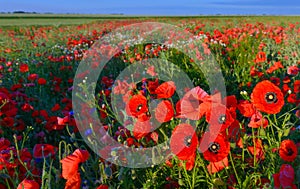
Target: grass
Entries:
(43, 22)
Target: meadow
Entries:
(115, 101)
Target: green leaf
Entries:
(262, 132)
(218, 182)
(246, 183)
(180, 182)
(286, 132)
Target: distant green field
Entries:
(45, 21)
(7, 20)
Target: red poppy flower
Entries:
(255, 72)
(293, 70)
(16, 87)
(257, 149)
(7, 122)
(25, 155)
(130, 141)
(165, 90)
(292, 98)
(214, 167)
(297, 86)
(107, 81)
(276, 181)
(4, 143)
(28, 184)
(164, 111)
(260, 57)
(56, 107)
(246, 108)
(52, 123)
(288, 150)
(267, 97)
(151, 71)
(26, 107)
(190, 163)
(102, 186)
(189, 106)
(257, 120)
(286, 80)
(152, 86)
(7, 105)
(141, 129)
(44, 113)
(44, 150)
(71, 162)
(275, 80)
(24, 68)
(217, 150)
(42, 81)
(231, 104)
(274, 67)
(33, 77)
(234, 131)
(286, 176)
(285, 88)
(137, 105)
(63, 121)
(122, 87)
(74, 182)
(154, 136)
(183, 142)
(219, 117)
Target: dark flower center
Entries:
(139, 107)
(290, 152)
(222, 119)
(214, 147)
(148, 114)
(188, 141)
(271, 97)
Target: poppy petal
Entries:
(165, 90)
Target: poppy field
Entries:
(151, 103)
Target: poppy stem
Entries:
(44, 172)
(193, 175)
(289, 111)
(163, 133)
(271, 126)
(19, 158)
(187, 176)
(274, 115)
(60, 147)
(236, 174)
(254, 149)
(50, 169)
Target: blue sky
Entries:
(155, 7)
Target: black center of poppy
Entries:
(188, 141)
(290, 152)
(148, 114)
(222, 119)
(271, 97)
(214, 147)
(139, 107)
